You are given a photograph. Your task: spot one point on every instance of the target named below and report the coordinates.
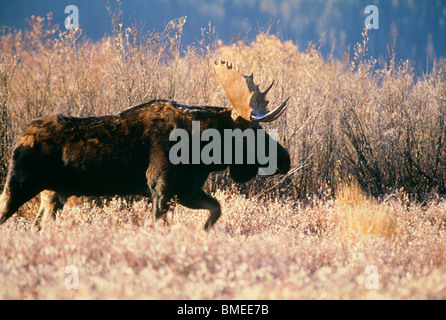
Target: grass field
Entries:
(349, 248)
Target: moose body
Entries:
(123, 154)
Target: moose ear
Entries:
(242, 173)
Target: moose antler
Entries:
(245, 95)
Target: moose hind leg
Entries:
(49, 204)
(14, 195)
(7, 207)
(202, 201)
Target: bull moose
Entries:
(128, 153)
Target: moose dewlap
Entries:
(128, 153)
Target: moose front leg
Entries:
(160, 203)
(201, 200)
(159, 207)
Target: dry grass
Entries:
(258, 250)
(364, 215)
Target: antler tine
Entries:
(272, 115)
(269, 88)
(244, 94)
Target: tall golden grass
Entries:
(272, 249)
(355, 129)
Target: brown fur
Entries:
(121, 154)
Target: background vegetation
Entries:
(383, 127)
(333, 25)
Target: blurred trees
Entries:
(334, 25)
